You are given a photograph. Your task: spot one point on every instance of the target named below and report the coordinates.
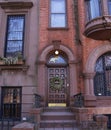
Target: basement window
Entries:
(11, 103)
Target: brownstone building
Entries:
(65, 47)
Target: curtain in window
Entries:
(95, 8)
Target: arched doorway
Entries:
(67, 62)
(90, 67)
(57, 79)
(102, 79)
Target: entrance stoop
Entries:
(57, 117)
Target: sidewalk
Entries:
(58, 129)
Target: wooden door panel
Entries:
(58, 95)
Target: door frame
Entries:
(42, 70)
(66, 103)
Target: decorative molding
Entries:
(89, 75)
(14, 67)
(94, 55)
(56, 44)
(50, 48)
(16, 5)
(95, 26)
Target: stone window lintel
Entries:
(15, 5)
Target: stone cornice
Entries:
(16, 5)
(24, 68)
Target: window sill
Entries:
(18, 66)
(58, 28)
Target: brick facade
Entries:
(40, 42)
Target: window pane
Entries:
(102, 79)
(13, 47)
(15, 35)
(57, 60)
(15, 31)
(58, 13)
(58, 20)
(108, 60)
(57, 6)
(16, 24)
(95, 8)
(99, 65)
(109, 6)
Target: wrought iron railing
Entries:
(37, 103)
(7, 124)
(78, 100)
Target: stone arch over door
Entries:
(90, 65)
(42, 80)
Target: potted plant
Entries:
(1, 60)
(20, 58)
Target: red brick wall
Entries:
(88, 44)
(47, 35)
(67, 36)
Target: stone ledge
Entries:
(16, 5)
(24, 126)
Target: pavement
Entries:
(58, 129)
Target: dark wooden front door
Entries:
(57, 94)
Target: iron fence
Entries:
(78, 100)
(7, 124)
(84, 125)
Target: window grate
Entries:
(11, 103)
(102, 79)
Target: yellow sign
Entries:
(57, 104)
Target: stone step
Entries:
(57, 116)
(58, 124)
(57, 109)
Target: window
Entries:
(57, 59)
(102, 79)
(58, 13)
(15, 35)
(11, 103)
(109, 7)
(93, 9)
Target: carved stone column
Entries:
(89, 98)
(89, 87)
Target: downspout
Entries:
(79, 47)
(76, 24)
